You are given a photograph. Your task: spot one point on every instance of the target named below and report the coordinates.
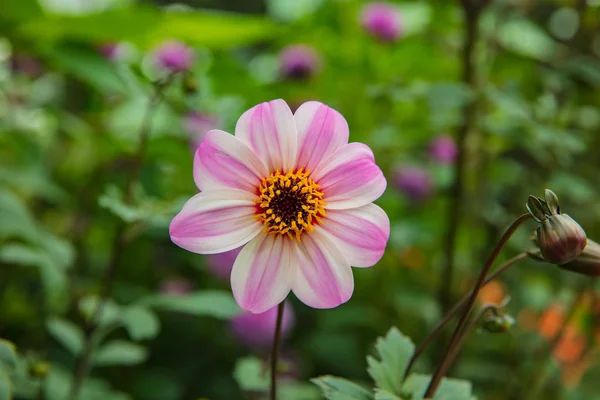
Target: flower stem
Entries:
(445, 363)
(434, 332)
(120, 238)
(275, 350)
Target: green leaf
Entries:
(395, 351)
(250, 374)
(5, 387)
(212, 303)
(415, 17)
(141, 323)
(8, 354)
(111, 312)
(89, 66)
(385, 395)
(146, 26)
(527, 39)
(289, 11)
(334, 388)
(449, 389)
(120, 352)
(16, 218)
(66, 333)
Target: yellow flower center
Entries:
(290, 204)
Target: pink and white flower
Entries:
(298, 197)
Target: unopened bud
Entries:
(560, 238)
(588, 263)
(498, 323)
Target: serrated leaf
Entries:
(449, 389)
(334, 388)
(395, 351)
(385, 395)
(213, 303)
(120, 352)
(66, 333)
(141, 323)
(8, 354)
(251, 374)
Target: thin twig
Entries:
(443, 366)
(275, 350)
(434, 332)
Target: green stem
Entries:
(445, 364)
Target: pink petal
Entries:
(360, 233)
(270, 130)
(216, 221)
(261, 274)
(350, 178)
(224, 161)
(323, 278)
(321, 130)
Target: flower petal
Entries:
(216, 221)
(350, 178)
(222, 161)
(321, 131)
(261, 274)
(270, 130)
(360, 233)
(323, 278)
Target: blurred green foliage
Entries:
(69, 131)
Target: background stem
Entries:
(275, 350)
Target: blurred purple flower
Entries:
(220, 264)
(176, 286)
(413, 181)
(111, 51)
(26, 64)
(196, 124)
(174, 56)
(382, 21)
(443, 149)
(298, 61)
(256, 331)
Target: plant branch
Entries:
(275, 350)
(442, 367)
(117, 248)
(434, 332)
(471, 13)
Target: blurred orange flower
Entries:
(550, 321)
(492, 293)
(570, 346)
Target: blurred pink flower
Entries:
(414, 182)
(197, 124)
(26, 64)
(111, 51)
(443, 149)
(298, 61)
(382, 21)
(176, 286)
(220, 264)
(256, 331)
(292, 191)
(174, 56)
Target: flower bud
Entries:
(174, 56)
(498, 323)
(413, 181)
(299, 62)
(443, 150)
(588, 263)
(560, 238)
(382, 21)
